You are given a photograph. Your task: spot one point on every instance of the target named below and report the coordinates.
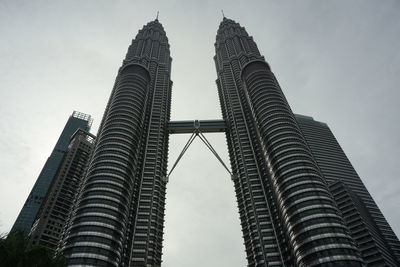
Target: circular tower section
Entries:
(119, 214)
(288, 216)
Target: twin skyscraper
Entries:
(300, 201)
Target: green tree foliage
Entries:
(15, 251)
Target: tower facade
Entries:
(287, 213)
(119, 215)
(30, 210)
(375, 238)
(55, 209)
(290, 213)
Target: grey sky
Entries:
(337, 61)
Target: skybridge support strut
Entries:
(197, 128)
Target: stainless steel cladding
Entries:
(119, 215)
(288, 215)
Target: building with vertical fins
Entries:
(60, 197)
(294, 210)
(119, 215)
(30, 210)
(288, 216)
(375, 238)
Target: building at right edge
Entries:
(376, 240)
(290, 209)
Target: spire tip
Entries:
(223, 15)
(157, 15)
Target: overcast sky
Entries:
(337, 61)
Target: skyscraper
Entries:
(60, 197)
(29, 211)
(120, 211)
(376, 240)
(287, 214)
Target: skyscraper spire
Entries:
(157, 15)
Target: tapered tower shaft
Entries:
(287, 213)
(119, 215)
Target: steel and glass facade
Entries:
(288, 216)
(30, 210)
(55, 209)
(375, 238)
(290, 213)
(119, 216)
